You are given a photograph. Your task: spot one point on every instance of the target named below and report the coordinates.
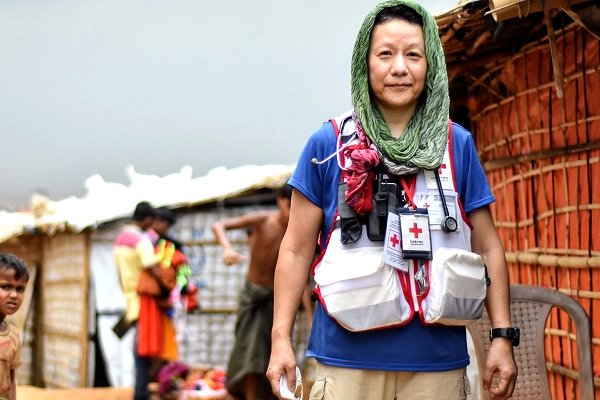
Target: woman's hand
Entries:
(295, 255)
(500, 363)
(282, 362)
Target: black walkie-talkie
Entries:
(385, 200)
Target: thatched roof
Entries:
(473, 39)
(478, 45)
(107, 201)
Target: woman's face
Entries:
(397, 65)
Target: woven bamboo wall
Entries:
(210, 333)
(64, 291)
(209, 336)
(542, 158)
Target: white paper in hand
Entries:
(285, 391)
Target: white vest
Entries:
(362, 292)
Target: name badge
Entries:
(433, 204)
(445, 175)
(392, 251)
(414, 230)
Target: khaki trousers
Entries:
(335, 383)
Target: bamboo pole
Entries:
(566, 79)
(550, 260)
(539, 155)
(569, 335)
(556, 64)
(575, 17)
(584, 294)
(580, 252)
(539, 131)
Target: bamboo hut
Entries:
(525, 79)
(75, 294)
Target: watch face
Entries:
(516, 337)
(513, 333)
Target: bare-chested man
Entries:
(250, 355)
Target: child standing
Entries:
(13, 280)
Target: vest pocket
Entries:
(457, 288)
(358, 290)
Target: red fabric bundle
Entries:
(149, 333)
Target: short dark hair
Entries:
(165, 214)
(285, 192)
(10, 261)
(402, 12)
(143, 210)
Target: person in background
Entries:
(185, 289)
(249, 357)
(13, 281)
(134, 255)
(164, 220)
(399, 136)
(175, 274)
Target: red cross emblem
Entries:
(394, 240)
(426, 205)
(443, 166)
(415, 230)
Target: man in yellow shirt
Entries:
(134, 252)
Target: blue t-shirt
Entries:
(413, 347)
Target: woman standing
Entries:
(390, 151)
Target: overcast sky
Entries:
(94, 86)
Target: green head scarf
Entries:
(423, 142)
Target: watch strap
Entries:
(512, 333)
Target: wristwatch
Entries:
(513, 333)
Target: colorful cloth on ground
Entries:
(133, 252)
(413, 347)
(250, 354)
(10, 358)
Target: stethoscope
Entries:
(448, 223)
(349, 142)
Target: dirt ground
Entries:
(25, 392)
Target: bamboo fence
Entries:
(541, 154)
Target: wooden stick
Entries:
(575, 75)
(558, 75)
(551, 260)
(571, 336)
(539, 155)
(575, 17)
(585, 294)
(538, 131)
